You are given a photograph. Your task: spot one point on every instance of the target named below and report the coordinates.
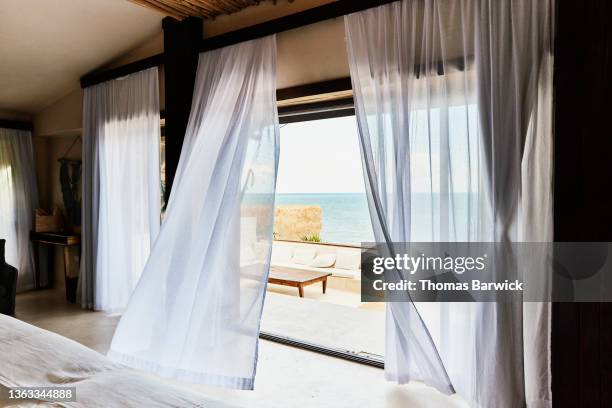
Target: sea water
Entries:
(346, 219)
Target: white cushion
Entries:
(343, 273)
(281, 254)
(303, 256)
(348, 259)
(323, 261)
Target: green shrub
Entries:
(311, 238)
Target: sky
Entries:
(323, 156)
(320, 156)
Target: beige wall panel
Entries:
(312, 53)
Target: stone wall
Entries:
(292, 222)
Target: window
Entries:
(320, 168)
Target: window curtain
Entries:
(195, 313)
(18, 199)
(453, 102)
(121, 189)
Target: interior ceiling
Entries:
(205, 9)
(45, 46)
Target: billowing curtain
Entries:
(122, 192)
(18, 200)
(196, 311)
(453, 106)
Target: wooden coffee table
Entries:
(297, 278)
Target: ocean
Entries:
(346, 219)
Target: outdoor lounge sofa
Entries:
(340, 261)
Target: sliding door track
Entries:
(346, 355)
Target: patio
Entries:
(337, 319)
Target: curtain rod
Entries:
(329, 11)
(95, 78)
(16, 124)
(314, 15)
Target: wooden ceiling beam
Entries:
(176, 6)
(186, 9)
(234, 5)
(203, 10)
(222, 7)
(197, 8)
(155, 5)
(218, 7)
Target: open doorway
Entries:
(321, 221)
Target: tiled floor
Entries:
(286, 376)
(330, 324)
(314, 292)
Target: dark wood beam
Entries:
(16, 124)
(316, 88)
(314, 15)
(316, 110)
(181, 40)
(582, 332)
(98, 77)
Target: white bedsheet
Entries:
(33, 357)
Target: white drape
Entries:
(122, 139)
(195, 313)
(453, 106)
(18, 199)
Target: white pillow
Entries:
(281, 254)
(323, 261)
(303, 256)
(350, 260)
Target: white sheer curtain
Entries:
(195, 313)
(123, 193)
(18, 200)
(453, 105)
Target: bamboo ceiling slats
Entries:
(206, 9)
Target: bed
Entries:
(33, 357)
